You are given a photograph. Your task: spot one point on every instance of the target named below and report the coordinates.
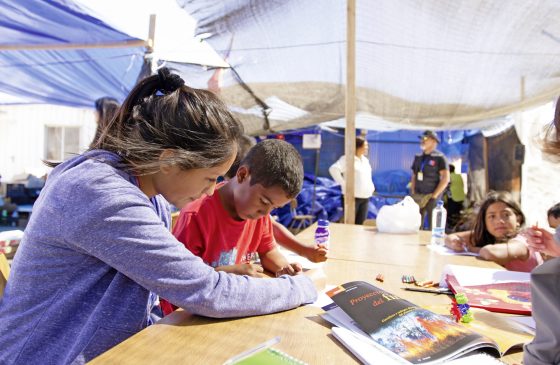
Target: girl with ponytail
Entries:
(98, 251)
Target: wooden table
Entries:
(356, 253)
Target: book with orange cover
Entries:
(402, 329)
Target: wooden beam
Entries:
(33, 47)
(350, 131)
(151, 34)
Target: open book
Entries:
(494, 290)
(398, 328)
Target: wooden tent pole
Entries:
(149, 44)
(151, 34)
(350, 131)
(485, 158)
(29, 47)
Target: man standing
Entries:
(430, 176)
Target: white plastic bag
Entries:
(403, 217)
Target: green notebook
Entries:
(264, 354)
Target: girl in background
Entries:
(106, 109)
(495, 235)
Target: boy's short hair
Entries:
(554, 211)
(244, 145)
(274, 162)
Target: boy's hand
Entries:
(243, 269)
(316, 253)
(290, 269)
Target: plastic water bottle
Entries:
(15, 218)
(439, 216)
(322, 234)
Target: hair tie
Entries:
(169, 82)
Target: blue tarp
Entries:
(390, 154)
(63, 77)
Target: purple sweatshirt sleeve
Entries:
(123, 230)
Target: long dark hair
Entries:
(551, 140)
(480, 236)
(161, 113)
(106, 108)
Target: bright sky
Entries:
(133, 16)
(174, 36)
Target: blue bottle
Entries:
(439, 216)
(322, 234)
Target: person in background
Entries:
(98, 248)
(106, 109)
(545, 291)
(363, 184)
(553, 216)
(282, 235)
(495, 235)
(430, 176)
(456, 197)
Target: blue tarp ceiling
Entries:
(71, 77)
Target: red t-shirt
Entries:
(208, 231)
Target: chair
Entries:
(174, 217)
(4, 273)
(299, 221)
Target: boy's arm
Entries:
(287, 239)
(276, 263)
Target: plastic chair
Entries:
(174, 217)
(4, 273)
(299, 221)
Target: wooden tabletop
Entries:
(356, 253)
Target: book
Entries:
(369, 354)
(398, 328)
(264, 354)
(494, 290)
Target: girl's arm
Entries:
(503, 253)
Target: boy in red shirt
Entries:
(232, 228)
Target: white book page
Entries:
(527, 323)
(471, 275)
(293, 257)
(367, 350)
(446, 251)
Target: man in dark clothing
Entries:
(430, 176)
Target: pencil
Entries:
(433, 291)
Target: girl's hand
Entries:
(455, 243)
(541, 240)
